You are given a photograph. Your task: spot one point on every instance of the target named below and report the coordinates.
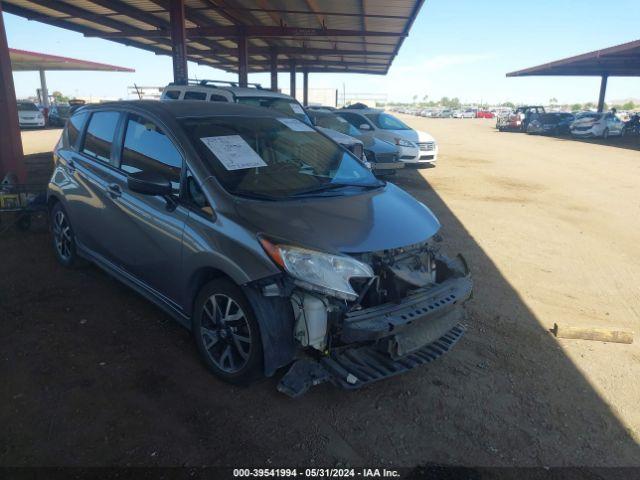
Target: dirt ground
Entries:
(92, 374)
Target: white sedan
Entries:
(594, 124)
(29, 115)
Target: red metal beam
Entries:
(11, 155)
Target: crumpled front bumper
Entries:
(386, 340)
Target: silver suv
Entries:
(271, 243)
(256, 96)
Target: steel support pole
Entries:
(603, 92)
(305, 88)
(43, 89)
(274, 70)
(292, 80)
(11, 156)
(178, 42)
(243, 61)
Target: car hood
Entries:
(338, 137)
(376, 145)
(364, 222)
(413, 135)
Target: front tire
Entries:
(605, 134)
(64, 240)
(226, 333)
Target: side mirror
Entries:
(364, 126)
(149, 183)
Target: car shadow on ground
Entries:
(631, 142)
(94, 375)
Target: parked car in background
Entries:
(552, 123)
(59, 114)
(469, 113)
(273, 245)
(457, 114)
(254, 95)
(416, 148)
(383, 156)
(519, 120)
(595, 124)
(484, 114)
(632, 126)
(29, 115)
(445, 113)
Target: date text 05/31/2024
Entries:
(315, 472)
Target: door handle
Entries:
(114, 190)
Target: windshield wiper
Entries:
(255, 195)
(333, 186)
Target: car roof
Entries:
(187, 108)
(237, 91)
(360, 110)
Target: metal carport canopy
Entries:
(618, 61)
(356, 36)
(349, 36)
(24, 61)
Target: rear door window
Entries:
(195, 96)
(99, 137)
(147, 148)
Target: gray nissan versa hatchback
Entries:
(274, 245)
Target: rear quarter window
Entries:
(74, 128)
(172, 94)
(99, 137)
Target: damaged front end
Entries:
(401, 309)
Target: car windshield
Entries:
(27, 107)
(284, 105)
(275, 158)
(385, 121)
(334, 122)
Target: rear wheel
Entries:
(605, 134)
(226, 332)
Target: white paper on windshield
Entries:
(233, 152)
(295, 125)
(297, 108)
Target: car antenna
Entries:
(137, 91)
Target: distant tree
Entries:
(455, 103)
(424, 99)
(553, 101)
(589, 105)
(415, 97)
(508, 104)
(628, 106)
(576, 107)
(59, 97)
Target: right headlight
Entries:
(404, 143)
(318, 271)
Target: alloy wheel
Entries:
(226, 333)
(62, 235)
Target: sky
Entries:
(460, 48)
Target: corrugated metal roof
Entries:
(337, 36)
(618, 61)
